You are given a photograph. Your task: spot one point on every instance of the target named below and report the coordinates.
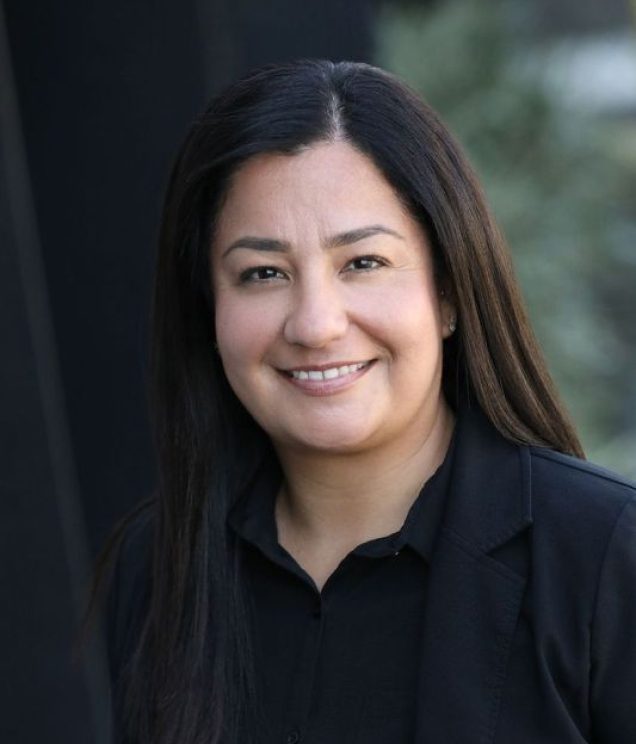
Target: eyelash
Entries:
(247, 276)
(376, 259)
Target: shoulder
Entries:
(583, 527)
(577, 489)
(578, 471)
(582, 584)
(585, 520)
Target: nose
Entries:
(318, 314)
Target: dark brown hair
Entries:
(187, 678)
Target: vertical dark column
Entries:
(96, 97)
(43, 559)
(106, 91)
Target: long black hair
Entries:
(188, 676)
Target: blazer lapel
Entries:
(473, 600)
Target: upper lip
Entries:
(323, 367)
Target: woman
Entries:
(374, 522)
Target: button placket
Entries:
(317, 608)
(301, 697)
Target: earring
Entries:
(452, 324)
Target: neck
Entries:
(337, 501)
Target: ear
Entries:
(448, 310)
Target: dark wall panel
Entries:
(98, 98)
(106, 91)
(43, 556)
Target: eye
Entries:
(365, 263)
(260, 275)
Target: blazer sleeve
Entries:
(613, 663)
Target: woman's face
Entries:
(328, 321)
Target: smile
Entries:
(331, 373)
(327, 380)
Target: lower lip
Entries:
(328, 387)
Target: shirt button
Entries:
(293, 737)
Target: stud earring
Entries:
(452, 324)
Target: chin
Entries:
(332, 440)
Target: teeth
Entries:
(328, 374)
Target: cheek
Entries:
(406, 318)
(244, 330)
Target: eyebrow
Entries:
(335, 241)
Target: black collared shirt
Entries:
(339, 665)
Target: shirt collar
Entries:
(423, 520)
(252, 517)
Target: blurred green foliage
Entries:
(561, 184)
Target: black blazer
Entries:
(530, 629)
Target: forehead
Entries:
(326, 187)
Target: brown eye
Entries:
(365, 263)
(260, 274)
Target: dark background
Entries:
(96, 97)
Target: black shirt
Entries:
(339, 665)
